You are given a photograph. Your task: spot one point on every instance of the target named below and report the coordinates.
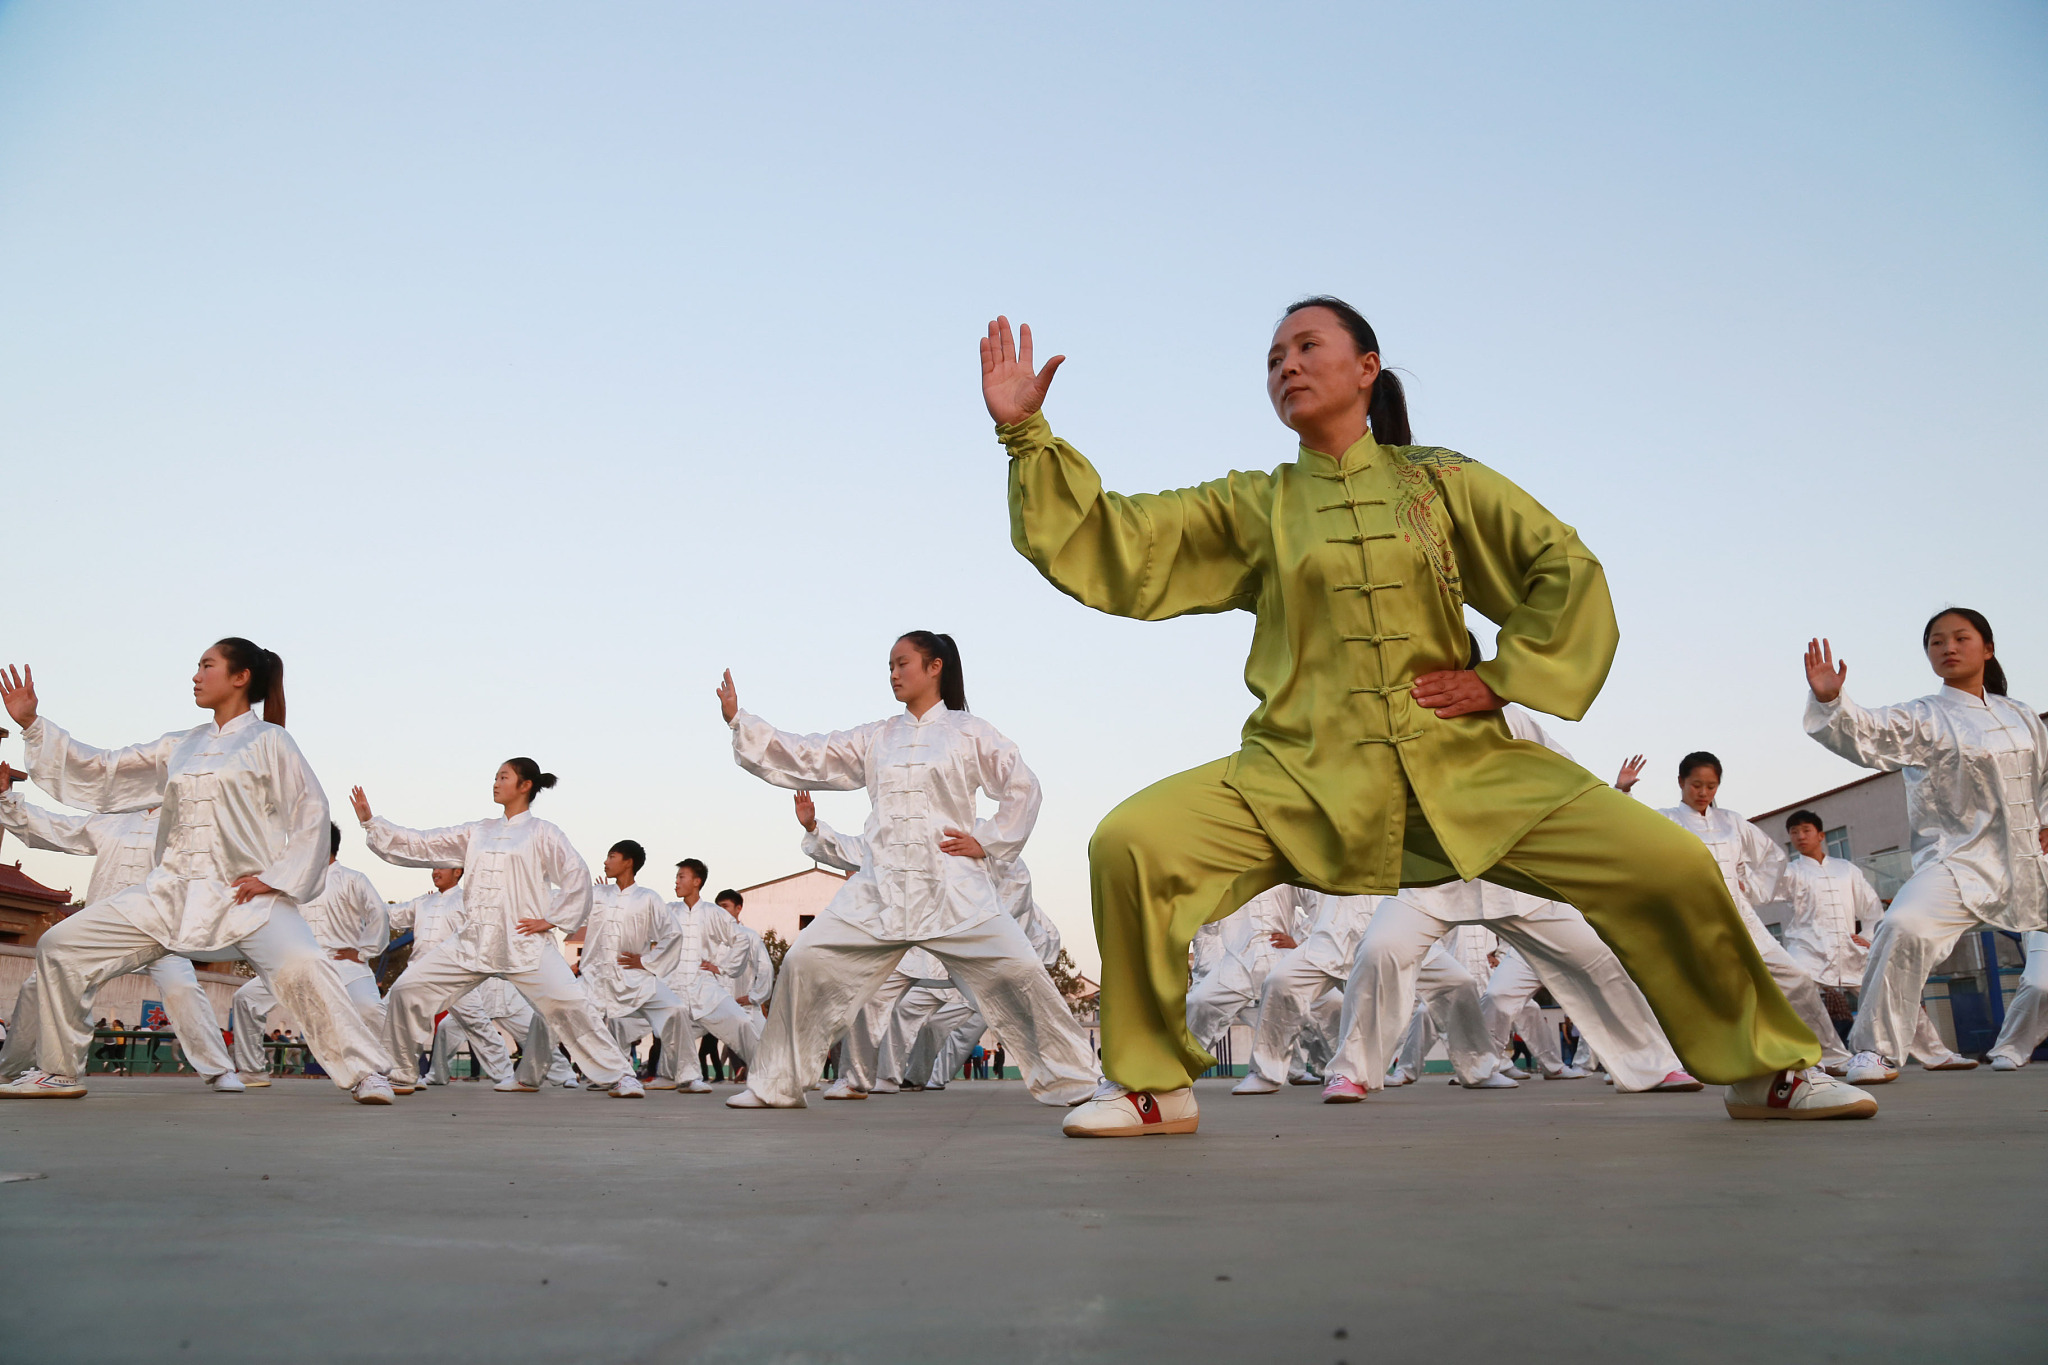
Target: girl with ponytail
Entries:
(1976, 765)
(243, 840)
(922, 880)
(1378, 755)
(523, 883)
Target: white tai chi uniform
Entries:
(1577, 967)
(957, 1024)
(238, 800)
(123, 848)
(1831, 902)
(1509, 1006)
(348, 913)
(431, 918)
(1447, 1001)
(1752, 863)
(702, 933)
(633, 1000)
(1976, 775)
(2026, 1014)
(1240, 955)
(921, 776)
(516, 869)
(1303, 978)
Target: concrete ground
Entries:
(1556, 1222)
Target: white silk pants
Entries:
(255, 1002)
(1578, 968)
(1800, 988)
(834, 966)
(1917, 932)
(1226, 994)
(564, 1011)
(963, 1027)
(185, 1004)
(79, 955)
(2026, 1014)
(467, 1022)
(1294, 991)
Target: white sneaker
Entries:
(227, 1083)
(1565, 1073)
(1397, 1078)
(1955, 1061)
(2004, 1063)
(372, 1089)
(1869, 1068)
(698, 1086)
(512, 1085)
(256, 1080)
(38, 1084)
(1303, 1078)
(747, 1099)
(1254, 1084)
(843, 1089)
(627, 1087)
(1796, 1095)
(1499, 1080)
(1514, 1073)
(884, 1086)
(401, 1085)
(1117, 1112)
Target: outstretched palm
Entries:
(1821, 673)
(18, 691)
(1010, 387)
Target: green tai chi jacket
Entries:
(1358, 570)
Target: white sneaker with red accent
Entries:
(38, 1084)
(1797, 1095)
(1117, 1112)
(1344, 1090)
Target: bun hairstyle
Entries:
(1387, 410)
(952, 686)
(266, 674)
(1994, 672)
(529, 771)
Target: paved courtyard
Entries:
(1557, 1222)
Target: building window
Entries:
(1838, 842)
(803, 922)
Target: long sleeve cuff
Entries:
(1032, 434)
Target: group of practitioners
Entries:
(1397, 851)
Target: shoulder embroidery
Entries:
(1416, 511)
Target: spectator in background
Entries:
(999, 1059)
(707, 1058)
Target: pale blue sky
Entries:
(512, 369)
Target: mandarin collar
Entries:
(241, 722)
(1360, 454)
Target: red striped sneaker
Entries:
(1797, 1095)
(38, 1084)
(1117, 1112)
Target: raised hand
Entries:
(18, 690)
(361, 803)
(1631, 773)
(1822, 675)
(807, 812)
(1010, 387)
(1455, 692)
(728, 698)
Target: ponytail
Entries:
(265, 670)
(1994, 672)
(952, 685)
(1387, 409)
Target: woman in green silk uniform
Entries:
(1377, 756)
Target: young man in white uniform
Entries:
(123, 848)
(349, 919)
(704, 935)
(751, 972)
(1834, 910)
(628, 925)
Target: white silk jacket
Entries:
(694, 935)
(632, 920)
(348, 913)
(431, 918)
(1976, 777)
(521, 868)
(238, 800)
(123, 847)
(1246, 934)
(1831, 901)
(921, 776)
(1340, 923)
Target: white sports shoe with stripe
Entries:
(38, 1084)
(1117, 1112)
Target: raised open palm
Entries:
(18, 691)
(1010, 387)
(1821, 673)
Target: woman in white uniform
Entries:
(522, 881)
(1751, 862)
(1976, 765)
(242, 840)
(2026, 1014)
(928, 884)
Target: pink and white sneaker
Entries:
(1679, 1080)
(1117, 1112)
(1342, 1090)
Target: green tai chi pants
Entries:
(1188, 850)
